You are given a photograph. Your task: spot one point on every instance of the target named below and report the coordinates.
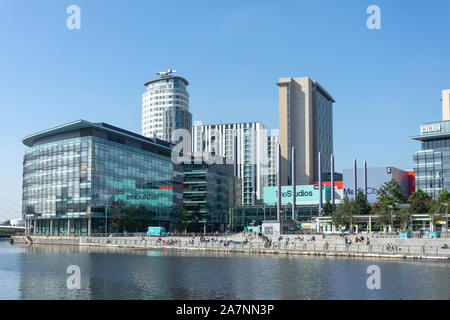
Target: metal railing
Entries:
(320, 247)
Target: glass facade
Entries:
(208, 193)
(272, 144)
(251, 153)
(432, 163)
(323, 132)
(90, 175)
(243, 216)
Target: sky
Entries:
(386, 82)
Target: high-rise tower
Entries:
(165, 106)
(306, 122)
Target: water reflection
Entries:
(39, 272)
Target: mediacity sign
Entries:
(305, 193)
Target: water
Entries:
(39, 272)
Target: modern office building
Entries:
(306, 122)
(80, 177)
(272, 143)
(432, 162)
(251, 152)
(165, 107)
(209, 191)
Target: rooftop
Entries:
(30, 140)
(167, 77)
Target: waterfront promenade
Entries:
(331, 245)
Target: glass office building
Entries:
(81, 177)
(209, 191)
(432, 163)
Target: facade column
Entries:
(370, 224)
(357, 228)
(34, 228)
(333, 227)
(89, 226)
(51, 227)
(68, 227)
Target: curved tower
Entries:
(165, 106)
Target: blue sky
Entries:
(385, 82)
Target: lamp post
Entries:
(390, 226)
(446, 216)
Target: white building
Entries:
(218, 140)
(165, 107)
(272, 143)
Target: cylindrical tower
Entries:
(165, 107)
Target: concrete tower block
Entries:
(445, 105)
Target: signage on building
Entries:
(426, 128)
(350, 193)
(305, 193)
(376, 178)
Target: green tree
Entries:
(181, 219)
(375, 208)
(136, 219)
(404, 217)
(361, 205)
(420, 202)
(342, 216)
(328, 208)
(444, 197)
(389, 197)
(439, 208)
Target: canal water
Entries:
(39, 272)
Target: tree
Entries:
(389, 197)
(181, 219)
(361, 205)
(344, 213)
(438, 208)
(375, 209)
(420, 202)
(136, 219)
(404, 217)
(444, 197)
(328, 208)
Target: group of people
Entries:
(169, 242)
(390, 247)
(357, 240)
(266, 239)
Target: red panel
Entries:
(411, 182)
(165, 187)
(338, 184)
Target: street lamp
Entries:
(390, 226)
(446, 216)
